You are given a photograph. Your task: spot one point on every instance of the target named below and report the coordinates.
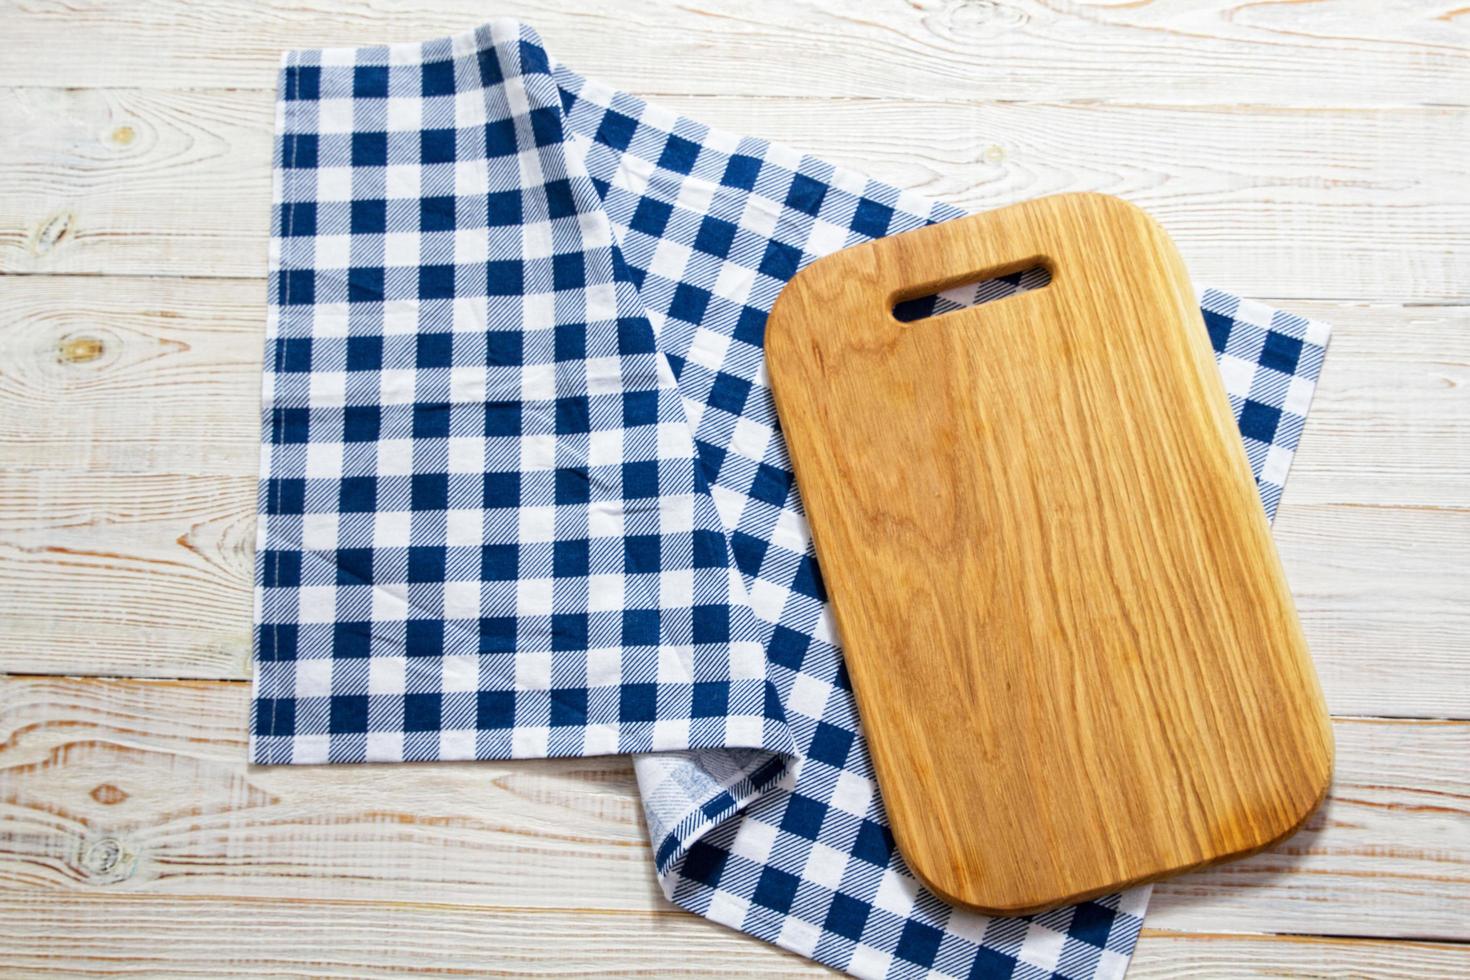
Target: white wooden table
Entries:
(1312, 155)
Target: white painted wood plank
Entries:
(1390, 419)
(1165, 954)
(128, 423)
(1339, 52)
(127, 574)
(209, 936)
(165, 936)
(1384, 596)
(120, 375)
(135, 183)
(138, 787)
(1369, 204)
(114, 789)
(1390, 845)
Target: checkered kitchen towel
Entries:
(523, 492)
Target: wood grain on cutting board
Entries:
(1074, 649)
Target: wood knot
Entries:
(107, 860)
(994, 153)
(108, 794)
(984, 18)
(123, 135)
(79, 350)
(52, 232)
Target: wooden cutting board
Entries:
(1074, 652)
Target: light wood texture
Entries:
(1070, 637)
(130, 789)
(166, 937)
(1338, 52)
(1311, 155)
(1162, 954)
(1357, 203)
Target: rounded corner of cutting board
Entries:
(1317, 774)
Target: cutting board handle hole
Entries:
(972, 289)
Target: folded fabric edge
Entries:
(763, 728)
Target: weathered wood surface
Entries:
(1172, 954)
(1364, 203)
(1311, 155)
(168, 937)
(1339, 52)
(117, 787)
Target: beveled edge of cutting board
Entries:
(779, 335)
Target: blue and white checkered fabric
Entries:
(523, 492)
